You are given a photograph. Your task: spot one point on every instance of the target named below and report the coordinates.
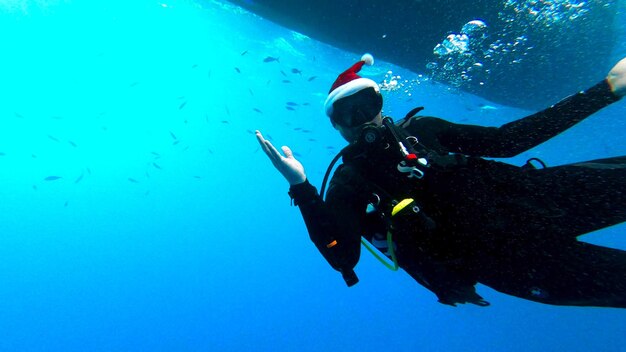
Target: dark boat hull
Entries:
(563, 59)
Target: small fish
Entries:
(52, 178)
(286, 81)
(18, 115)
(297, 155)
(296, 71)
(226, 122)
(297, 128)
(53, 138)
(312, 140)
(79, 178)
(66, 203)
(157, 166)
(244, 52)
(182, 105)
(156, 154)
(194, 66)
(485, 107)
(132, 180)
(35, 187)
(251, 92)
(283, 73)
(198, 177)
(175, 142)
(257, 110)
(291, 103)
(289, 108)
(271, 59)
(72, 144)
(237, 69)
(227, 111)
(134, 84)
(269, 137)
(306, 131)
(306, 104)
(3, 153)
(173, 135)
(311, 78)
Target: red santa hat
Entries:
(349, 83)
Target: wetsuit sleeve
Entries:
(334, 226)
(517, 136)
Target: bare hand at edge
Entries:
(617, 78)
(287, 165)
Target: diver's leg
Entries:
(576, 274)
(588, 196)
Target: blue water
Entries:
(168, 230)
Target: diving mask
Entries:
(357, 109)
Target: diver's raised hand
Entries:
(617, 78)
(287, 165)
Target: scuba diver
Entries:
(422, 191)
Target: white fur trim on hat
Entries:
(346, 90)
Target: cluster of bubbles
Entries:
(395, 83)
(467, 58)
(543, 12)
(460, 56)
(391, 82)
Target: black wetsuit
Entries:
(511, 228)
